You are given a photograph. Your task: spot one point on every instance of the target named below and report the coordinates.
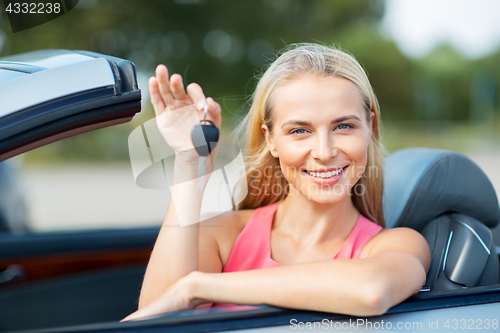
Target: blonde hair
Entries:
(296, 60)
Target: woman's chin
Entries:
(325, 195)
(326, 198)
(325, 201)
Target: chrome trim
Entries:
(447, 249)
(475, 234)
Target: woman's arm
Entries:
(363, 287)
(176, 252)
(393, 269)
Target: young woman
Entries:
(314, 178)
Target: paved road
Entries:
(76, 196)
(90, 196)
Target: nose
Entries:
(324, 148)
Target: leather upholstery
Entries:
(448, 198)
(421, 184)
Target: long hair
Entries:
(294, 61)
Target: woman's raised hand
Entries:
(178, 110)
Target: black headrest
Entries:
(421, 184)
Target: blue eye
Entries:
(344, 126)
(298, 131)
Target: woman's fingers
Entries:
(172, 91)
(171, 95)
(177, 88)
(155, 96)
(214, 112)
(195, 93)
(131, 316)
(147, 311)
(163, 85)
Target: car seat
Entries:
(451, 202)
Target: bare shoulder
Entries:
(400, 240)
(225, 229)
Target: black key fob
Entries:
(204, 138)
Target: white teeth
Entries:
(325, 174)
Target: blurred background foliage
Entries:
(443, 100)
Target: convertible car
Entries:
(87, 281)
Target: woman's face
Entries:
(320, 135)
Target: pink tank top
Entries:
(252, 249)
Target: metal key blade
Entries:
(201, 172)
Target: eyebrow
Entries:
(306, 123)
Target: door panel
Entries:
(59, 279)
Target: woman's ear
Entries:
(269, 141)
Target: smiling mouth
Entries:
(326, 175)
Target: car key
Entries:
(204, 136)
